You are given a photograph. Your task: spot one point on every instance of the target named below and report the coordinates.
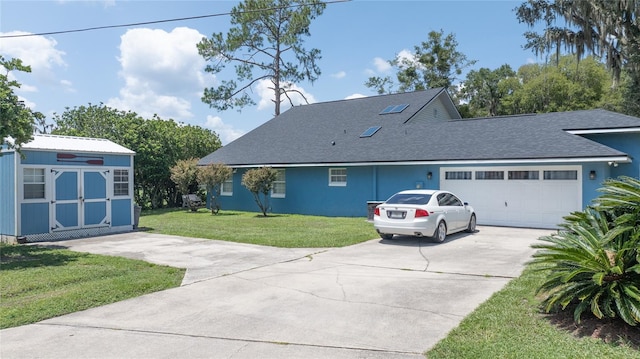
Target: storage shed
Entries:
(64, 187)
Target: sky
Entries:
(156, 69)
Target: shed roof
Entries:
(329, 133)
(75, 144)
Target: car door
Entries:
(454, 211)
(459, 210)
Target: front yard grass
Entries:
(38, 283)
(276, 230)
(510, 325)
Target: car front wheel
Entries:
(441, 232)
(386, 235)
(472, 224)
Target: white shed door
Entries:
(535, 197)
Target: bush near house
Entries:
(260, 182)
(594, 262)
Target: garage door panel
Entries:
(530, 201)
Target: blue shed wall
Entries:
(121, 212)
(50, 158)
(37, 219)
(96, 211)
(8, 194)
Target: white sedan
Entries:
(422, 212)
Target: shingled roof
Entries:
(329, 133)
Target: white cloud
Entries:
(27, 103)
(26, 88)
(381, 64)
(406, 56)
(163, 72)
(68, 85)
(339, 75)
(266, 96)
(355, 95)
(38, 52)
(226, 132)
(147, 103)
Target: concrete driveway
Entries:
(378, 299)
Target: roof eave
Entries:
(604, 131)
(616, 159)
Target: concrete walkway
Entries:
(378, 299)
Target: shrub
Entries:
(212, 177)
(260, 182)
(594, 261)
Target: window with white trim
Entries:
(120, 182)
(226, 188)
(279, 189)
(337, 176)
(34, 183)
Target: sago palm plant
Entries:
(593, 262)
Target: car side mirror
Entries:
(466, 203)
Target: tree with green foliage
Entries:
(484, 90)
(266, 35)
(562, 85)
(212, 177)
(158, 144)
(183, 174)
(607, 29)
(434, 63)
(259, 181)
(594, 262)
(17, 121)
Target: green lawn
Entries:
(277, 230)
(511, 325)
(40, 283)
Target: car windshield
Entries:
(409, 198)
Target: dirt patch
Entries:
(612, 331)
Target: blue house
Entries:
(334, 158)
(63, 187)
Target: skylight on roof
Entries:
(394, 109)
(370, 131)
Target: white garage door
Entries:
(535, 197)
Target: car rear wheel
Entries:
(441, 232)
(386, 235)
(472, 224)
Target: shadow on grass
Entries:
(611, 331)
(259, 215)
(20, 257)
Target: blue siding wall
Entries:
(308, 190)
(625, 142)
(8, 194)
(37, 219)
(392, 179)
(121, 212)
